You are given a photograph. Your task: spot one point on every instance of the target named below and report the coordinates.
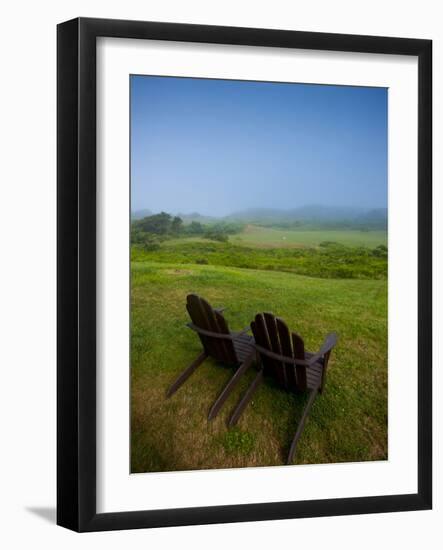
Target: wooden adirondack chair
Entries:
(283, 356)
(230, 348)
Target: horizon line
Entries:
(264, 208)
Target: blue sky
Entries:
(219, 146)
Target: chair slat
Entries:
(286, 349)
(228, 345)
(298, 347)
(271, 327)
(219, 349)
(261, 338)
(199, 319)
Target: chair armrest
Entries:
(282, 358)
(329, 342)
(210, 333)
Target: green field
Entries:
(270, 237)
(330, 260)
(348, 421)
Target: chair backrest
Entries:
(207, 318)
(272, 334)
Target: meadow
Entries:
(271, 237)
(317, 283)
(330, 260)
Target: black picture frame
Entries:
(76, 265)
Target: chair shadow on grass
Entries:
(279, 399)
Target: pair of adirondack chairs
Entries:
(279, 354)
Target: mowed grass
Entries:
(348, 422)
(269, 237)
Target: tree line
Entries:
(151, 230)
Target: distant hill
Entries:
(377, 214)
(260, 214)
(187, 218)
(315, 214)
(308, 215)
(139, 214)
(196, 217)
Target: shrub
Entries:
(216, 236)
(151, 245)
(380, 251)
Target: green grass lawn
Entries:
(269, 237)
(348, 423)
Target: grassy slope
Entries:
(347, 423)
(264, 237)
(326, 262)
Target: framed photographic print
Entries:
(244, 274)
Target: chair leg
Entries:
(245, 399)
(301, 425)
(186, 374)
(229, 387)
